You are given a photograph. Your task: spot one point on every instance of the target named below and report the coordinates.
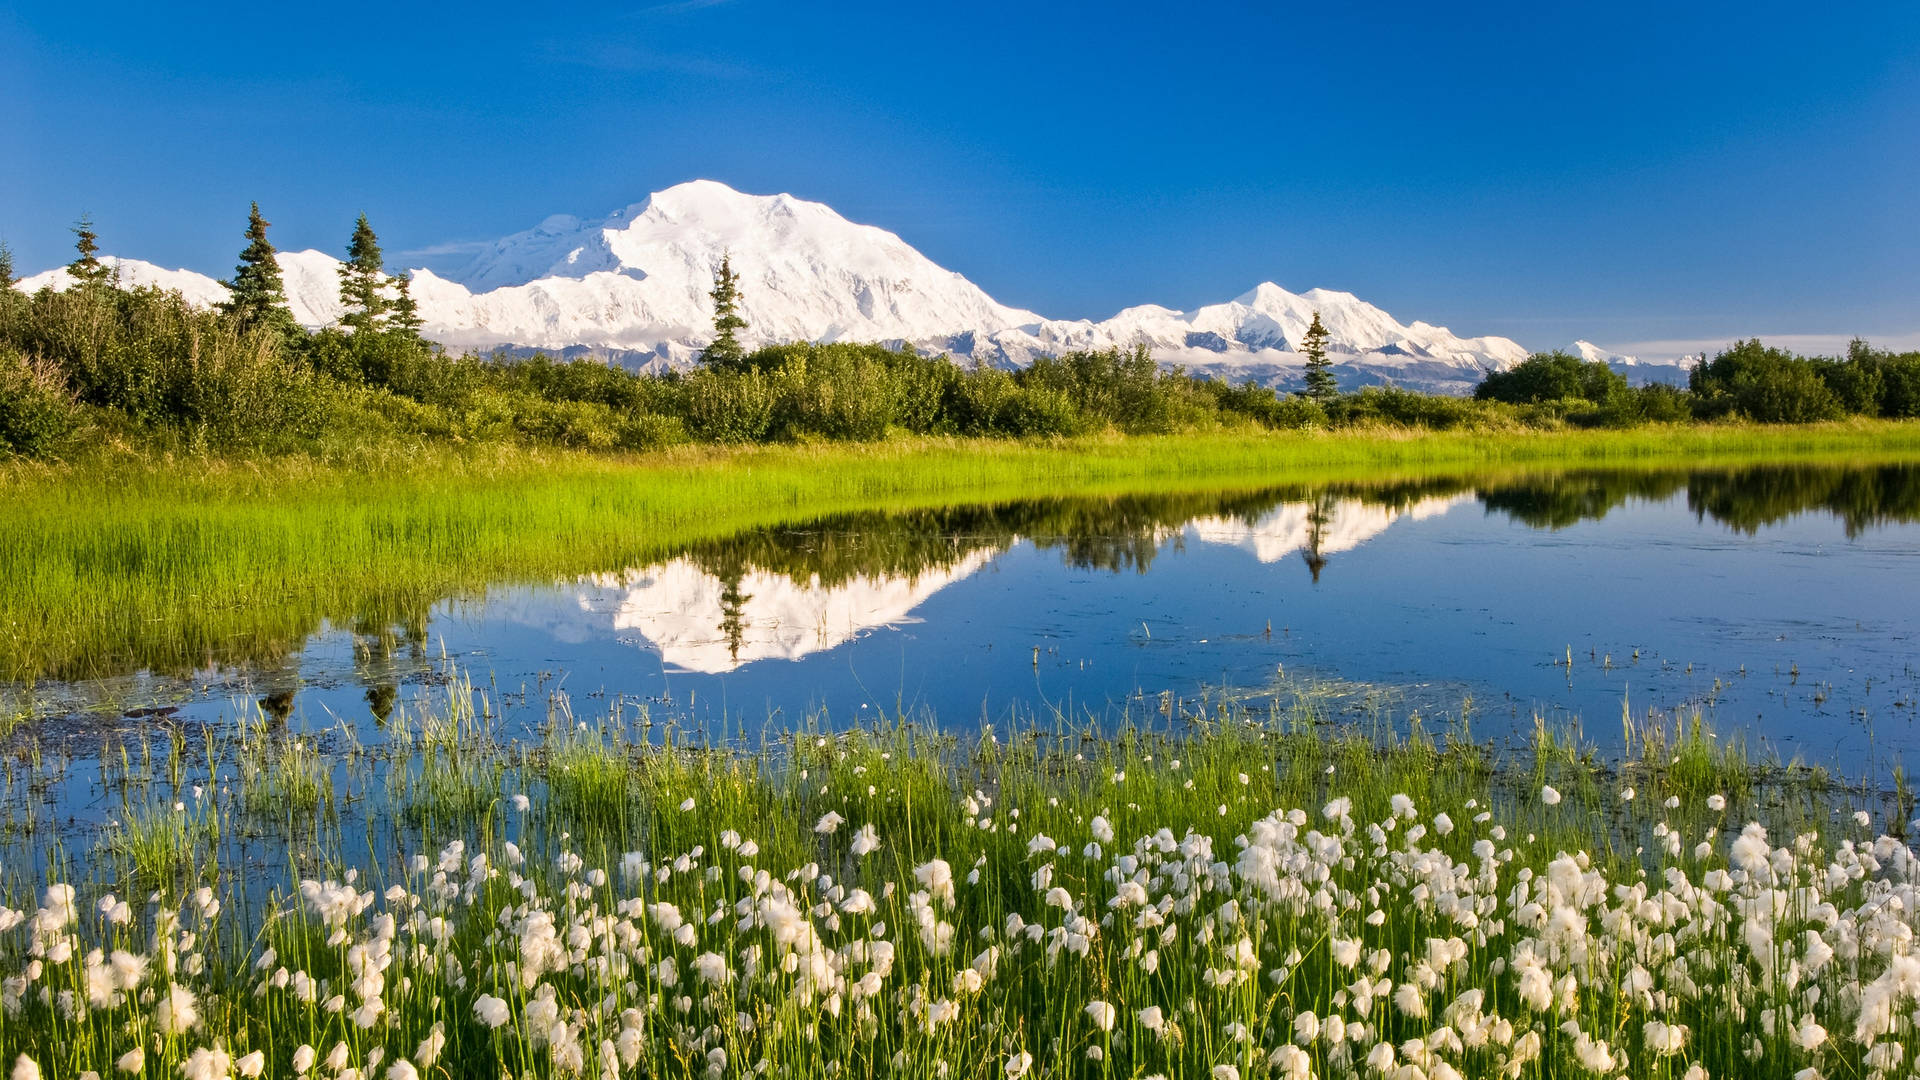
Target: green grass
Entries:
(171, 563)
(160, 843)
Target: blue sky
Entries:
(1617, 172)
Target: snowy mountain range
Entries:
(633, 287)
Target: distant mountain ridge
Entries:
(633, 286)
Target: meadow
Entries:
(1240, 886)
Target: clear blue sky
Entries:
(1544, 171)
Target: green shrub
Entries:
(1856, 386)
(36, 412)
(583, 425)
(727, 407)
(1759, 383)
(165, 364)
(1038, 410)
(834, 392)
(976, 401)
(1298, 412)
(1113, 387)
(1552, 376)
(1900, 386)
(1787, 395)
(1891, 380)
(1403, 408)
(1654, 403)
(652, 431)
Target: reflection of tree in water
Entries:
(379, 647)
(1318, 517)
(1746, 499)
(1558, 500)
(381, 698)
(1751, 499)
(277, 705)
(733, 603)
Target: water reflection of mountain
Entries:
(701, 622)
(1318, 529)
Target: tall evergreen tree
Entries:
(405, 316)
(363, 281)
(257, 295)
(724, 350)
(7, 278)
(87, 269)
(1320, 384)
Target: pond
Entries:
(1777, 602)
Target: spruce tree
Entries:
(725, 351)
(257, 295)
(362, 281)
(7, 278)
(405, 317)
(88, 270)
(1320, 384)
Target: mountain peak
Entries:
(707, 197)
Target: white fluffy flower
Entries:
(177, 1012)
(490, 1010)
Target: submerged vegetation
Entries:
(1248, 887)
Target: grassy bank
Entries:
(172, 562)
(1233, 893)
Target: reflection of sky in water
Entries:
(1440, 596)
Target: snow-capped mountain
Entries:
(633, 287)
(312, 280)
(135, 274)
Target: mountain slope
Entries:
(633, 287)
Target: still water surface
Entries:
(1782, 602)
